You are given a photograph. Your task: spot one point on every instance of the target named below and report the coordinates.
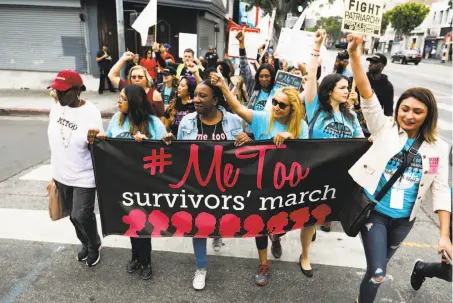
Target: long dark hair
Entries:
(257, 76)
(326, 87)
(139, 109)
(176, 102)
(425, 96)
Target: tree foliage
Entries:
(385, 21)
(408, 16)
(332, 26)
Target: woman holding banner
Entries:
(406, 165)
(210, 122)
(135, 120)
(329, 117)
(283, 123)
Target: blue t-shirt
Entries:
(263, 99)
(399, 200)
(337, 128)
(166, 93)
(260, 125)
(156, 128)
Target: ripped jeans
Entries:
(381, 237)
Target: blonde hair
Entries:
(149, 80)
(296, 114)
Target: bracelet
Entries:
(315, 55)
(316, 50)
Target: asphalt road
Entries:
(37, 263)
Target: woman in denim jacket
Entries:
(210, 121)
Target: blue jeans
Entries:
(199, 248)
(381, 237)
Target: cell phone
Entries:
(446, 256)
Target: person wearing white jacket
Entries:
(425, 178)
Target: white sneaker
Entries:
(199, 279)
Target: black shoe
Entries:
(132, 266)
(325, 228)
(113, 91)
(100, 93)
(307, 272)
(94, 257)
(147, 272)
(83, 254)
(417, 278)
(276, 248)
(313, 239)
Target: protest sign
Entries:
(187, 41)
(284, 79)
(363, 17)
(253, 40)
(211, 188)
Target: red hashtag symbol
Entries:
(157, 160)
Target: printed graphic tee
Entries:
(260, 125)
(333, 128)
(399, 200)
(166, 93)
(264, 99)
(67, 133)
(115, 130)
(210, 132)
(181, 111)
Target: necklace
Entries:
(215, 127)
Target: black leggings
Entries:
(262, 242)
(141, 250)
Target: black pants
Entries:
(436, 270)
(262, 242)
(79, 202)
(141, 250)
(103, 77)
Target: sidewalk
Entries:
(436, 61)
(38, 102)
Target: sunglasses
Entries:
(137, 77)
(280, 104)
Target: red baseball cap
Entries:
(67, 79)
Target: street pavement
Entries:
(37, 256)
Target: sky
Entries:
(336, 9)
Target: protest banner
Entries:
(253, 40)
(209, 188)
(363, 17)
(187, 41)
(284, 79)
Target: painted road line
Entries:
(333, 248)
(444, 125)
(41, 173)
(444, 106)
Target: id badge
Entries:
(397, 198)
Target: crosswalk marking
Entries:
(333, 248)
(41, 173)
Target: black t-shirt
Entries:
(210, 132)
(181, 111)
(211, 58)
(104, 63)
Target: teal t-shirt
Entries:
(166, 93)
(260, 125)
(263, 99)
(156, 128)
(399, 200)
(338, 127)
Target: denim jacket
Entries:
(231, 124)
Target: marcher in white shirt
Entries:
(425, 177)
(69, 121)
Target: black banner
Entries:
(208, 189)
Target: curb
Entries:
(23, 112)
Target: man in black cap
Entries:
(380, 83)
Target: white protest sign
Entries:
(253, 40)
(363, 17)
(187, 41)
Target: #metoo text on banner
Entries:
(363, 17)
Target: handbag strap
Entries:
(410, 155)
(311, 123)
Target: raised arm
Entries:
(242, 111)
(244, 68)
(114, 74)
(311, 87)
(355, 52)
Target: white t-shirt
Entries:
(67, 132)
